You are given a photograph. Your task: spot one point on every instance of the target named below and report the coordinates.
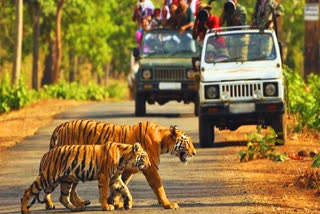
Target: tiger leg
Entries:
(48, 201)
(75, 198)
(154, 180)
(116, 199)
(118, 189)
(31, 191)
(103, 191)
(125, 193)
(66, 185)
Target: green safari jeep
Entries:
(165, 69)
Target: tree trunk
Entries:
(58, 43)
(73, 66)
(99, 79)
(36, 33)
(18, 43)
(106, 73)
(78, 72)
(48, 67)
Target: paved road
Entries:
(207, 184)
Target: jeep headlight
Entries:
(190, 74)
(270, 89)
(146, 74)
(212, 92)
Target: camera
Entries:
(203, 15)
(229, 7)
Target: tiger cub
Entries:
(71, 164)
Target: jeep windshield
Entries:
(168, 44)
(239, 48)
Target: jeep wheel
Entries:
(206, 132)
(280, 127)
(140, 105)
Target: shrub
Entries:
(19, 96)
(261, 146)
(302, 99)
(14, 97)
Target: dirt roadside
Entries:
(268, 183)
(15, 126)
(273, 183)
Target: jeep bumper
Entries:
(164, 92)
(231, 115)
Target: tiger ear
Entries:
(173, 130)
(136, 147)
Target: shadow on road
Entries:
(156, 206)
(101, 115)
(93, 116)
(169, 115)
(229, 144)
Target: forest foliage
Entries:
(98, 36)
(102, 33)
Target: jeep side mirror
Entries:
(136, 53)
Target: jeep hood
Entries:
(241, 73)
(172, 62)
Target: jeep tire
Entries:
(206, 132)
(140, 105)
(279, 125)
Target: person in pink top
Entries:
(140, 31)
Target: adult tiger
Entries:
(155, 139)
(70, 164)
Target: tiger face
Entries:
(141, 158)
(183, 147)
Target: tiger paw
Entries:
(25, 211)
(77, 201)
(128, 206)
(119, 205)
(127, 203)
(107, 207)
(86, 202)
(171, 205)
(50, 206)
(79, 208)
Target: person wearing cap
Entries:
(233, 14)
(204, 21)
(263, 13)
(262, 18)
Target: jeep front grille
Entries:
(169, 74)
(245, 90)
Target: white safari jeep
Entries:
(241, 82)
